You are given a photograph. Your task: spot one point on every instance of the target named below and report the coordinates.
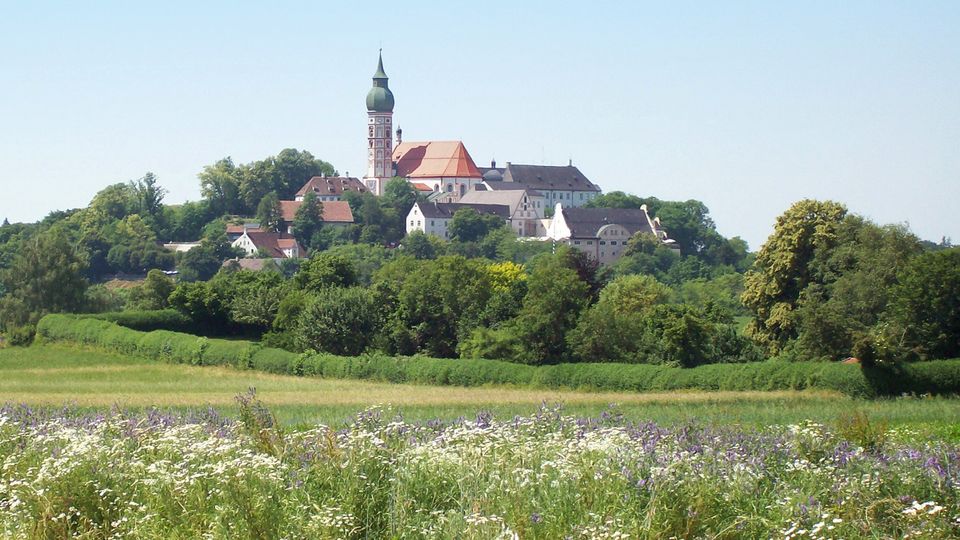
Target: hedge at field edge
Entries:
(932, 377)
(147, 320)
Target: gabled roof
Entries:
(511, 198)
(446, 210)
(549, 177)
(493, 185)
(271, 242)
(434, 159)
(333, 211)
(331, 185)
(586, 222)
(237, 230)
(419, 186)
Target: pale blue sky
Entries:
(747, 106)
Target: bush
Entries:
(19, 335)
(932, 377)
(160, 319)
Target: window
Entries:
(431, 223)
(581, 196)
(418, 223)
(411, 223)
(576, 242)
(589, 242)
(603, 242)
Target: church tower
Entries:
(379, 132)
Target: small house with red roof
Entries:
(335, 214)
(274, 245)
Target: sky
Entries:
(746, 106)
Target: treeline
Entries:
(558, 307)
(826, 285)
(829, 284)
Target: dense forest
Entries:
(826, 285)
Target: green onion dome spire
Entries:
(380, 98)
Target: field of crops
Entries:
(150, 450)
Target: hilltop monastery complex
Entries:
(543, 202)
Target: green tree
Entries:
(116, 201)
(293, 168)
(148, 195)
(220, 186)
(283, 174)
(340, 321)
(134, 247)
(438, 302)
(926, 305)
(555, 297)
(366, 259)
(204, 261)
(46, 276)
(256, 297)
(269, 214)
(153, 293)
(468, 225)
(400, 195)
(630, 295)
(308, 220)
(782, 269)
(325, 270)
(849, 289)
(421, 246)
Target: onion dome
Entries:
(380, 98)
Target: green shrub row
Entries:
(146, 321)
(934, 377)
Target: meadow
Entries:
(99, 445)
(58, 375)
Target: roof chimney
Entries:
(570, 163)
(493, 164)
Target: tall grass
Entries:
(545, 476)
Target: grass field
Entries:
(55, 375)
(709, 465)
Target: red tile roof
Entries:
(272, 243)
(420, 186)
(238, 229)
(434, 159)
(333, 211)
(331, 185)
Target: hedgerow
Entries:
(933, 377)
(146, 321)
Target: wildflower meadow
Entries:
(151, 474)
